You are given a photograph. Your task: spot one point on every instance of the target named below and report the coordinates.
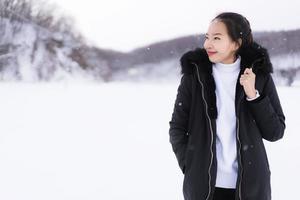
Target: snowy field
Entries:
(88, 141)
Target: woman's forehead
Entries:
(216, 27)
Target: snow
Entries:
(34, 55)
(84, 140)
(286, 61)
(31, 53)
(163, 71)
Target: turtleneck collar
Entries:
(228, 67)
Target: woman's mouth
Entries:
(210, 53)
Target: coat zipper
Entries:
(239, 149)
(240, 161)
(211, 132)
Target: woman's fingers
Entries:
(248, 71)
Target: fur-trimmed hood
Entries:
(255, 57)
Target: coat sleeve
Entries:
(268, 113)
(179, 123)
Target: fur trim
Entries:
(254, 56)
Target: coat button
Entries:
(245, 147)
(180, 103)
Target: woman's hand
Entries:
(247, 80)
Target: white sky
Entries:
(127, 24)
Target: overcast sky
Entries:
(127, 24)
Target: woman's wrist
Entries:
(254, 96)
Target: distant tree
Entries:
(289, 74)
(52, 30)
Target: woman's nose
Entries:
(207, 44)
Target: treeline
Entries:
(39, 43)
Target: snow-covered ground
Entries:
(109, 141)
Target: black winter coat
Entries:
(193, 126)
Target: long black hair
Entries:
(238, 28)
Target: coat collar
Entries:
(254, 56)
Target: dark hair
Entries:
(238, 27)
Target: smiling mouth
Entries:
(210, 53)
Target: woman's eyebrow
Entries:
(206, 34)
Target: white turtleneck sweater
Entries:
(226, 76)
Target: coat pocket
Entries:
(188, 157)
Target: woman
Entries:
(226, 104)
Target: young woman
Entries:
(226, 105)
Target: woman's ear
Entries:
(238, 44)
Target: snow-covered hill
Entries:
(38, 45)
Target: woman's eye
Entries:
(216, 38)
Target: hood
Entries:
(254, 56)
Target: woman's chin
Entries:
(213, 60)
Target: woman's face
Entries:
(219, 46)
